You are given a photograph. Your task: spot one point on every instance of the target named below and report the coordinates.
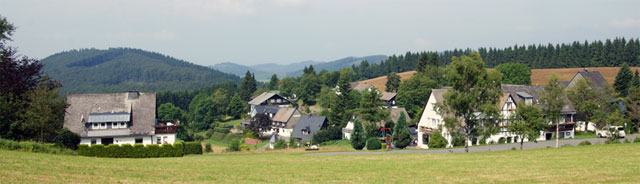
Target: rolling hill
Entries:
(538, 76)
(122, 69)
(241, 70)
(342, 63)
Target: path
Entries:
(484, 148)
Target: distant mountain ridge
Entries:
(123, 69)
(241, 70)
(342, 63)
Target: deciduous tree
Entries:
(515, 73)
(552, 101)
(526, 122)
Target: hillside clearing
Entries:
(604, 163)
(538, 76)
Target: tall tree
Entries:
(288, 87)
(393, 82)
(401, 134)
(633, 108)
(515, 73)
(236, 107)
(370, 110)
(526, 122)
(309, 87)
(414, 92)
(259, 123)
(422, 62)
(623, 80)
(220, 100)
(341, 111)
(168, 112)
(44, 114)
(358, 138)
(585, 100)
(273, 83)
(247, 86)
(201, 113)
(474, 90)
(636, 80)
(552, 101)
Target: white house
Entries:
(117, 118)
(284, 121)
(430, 121)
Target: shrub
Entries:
(138, 151)
(501, 140)
(567, 145)
(293, 142)
(437, 141)
(627, 141)
(234, 146)
(200, 137)
(584, 143)
(324, 135)
(207, 148)
(508, 139)
(153, 150)
(358, 139)
(221, 130)
(612, 141)
(111, 150)
(373, 144)
(178, 149)
(28, 146)
(244, 147)
(67, 139)
(636, 140)
(209, 133)
(280, 144)
(457, 140)
(401, 134)
(192, 148)
(513, 148)
(483, 141)
(128, 151)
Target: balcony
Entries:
(166, 129)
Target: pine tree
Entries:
(247, 86)
(401, 134)
(393, 82)
(636, 80)
(358, 138)
(236, 107)
(623, 80)
(273, 83)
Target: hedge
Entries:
(373, 143)
(192, 148)
(33, 147)
(128, 151)
(221, 130)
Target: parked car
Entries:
(606, 133)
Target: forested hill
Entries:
(122, 69)
(342, 63)
(605, 53)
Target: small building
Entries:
(284, 121)
(307, 126)
(394, 114)
(597, 82)
(267, 98)
(117, 118)
(360, 86)
(389, 99)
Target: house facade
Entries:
(513, 95)
(117, 118)
(307, 126)
(284, 121)
(394, 114)
(389, 99)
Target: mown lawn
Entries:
(588, 164)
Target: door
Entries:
(107, 141)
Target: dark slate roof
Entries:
(310, 123)
(518, 93)
(141, 106)
(267, 109)
(594, 76)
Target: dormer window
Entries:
(95, 126)
(114, 125)
(123, 125)
(528, 101)
(103, 125)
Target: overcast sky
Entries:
(284, 31)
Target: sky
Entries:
(250, 32)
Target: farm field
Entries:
(538, 76)
(585, 164)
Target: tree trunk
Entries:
(557, 132)
(586, 126)
(466, 142)
(521, 142)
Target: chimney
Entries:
(133, 95)
(586, 69)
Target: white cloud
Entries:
(625, 23)
(524, 28)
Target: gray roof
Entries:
(534, 92)
(142, 110)
(386, 96)
(309, 123)
(262, 98)
(595, 77)
(523, 94)
(267, 109)
(109, 117)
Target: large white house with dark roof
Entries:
(513, 95)
(117, 118)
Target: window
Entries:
(138, 140)
(114, 125)
(123, 125)
(94, 125)
(103, 125)
(568, 134)
(165, 139)
(93, 141)
(159, 140)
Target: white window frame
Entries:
(123, 124)
(103, 125)
(114, 125)
(95, 126)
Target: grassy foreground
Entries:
(588, 164)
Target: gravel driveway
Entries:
(493, 147)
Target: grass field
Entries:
(588, 164)
(538, 76)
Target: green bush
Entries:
(401, 133)
(358, 137)
(627, 141)
(244, 147)
(67, 139)
(207, 147)
(612, 141)
(636, 140)
(328, 134)
(192, 148)
(221, 130)
(501, 140)
(457, 140)
(280, 144)
(234, 145)
(293, 142)
(483, 141)
(508, 139)
(373, 144)
(28, 146)
(437, 141)
(128, 151)
(584, 143)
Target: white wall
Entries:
(430, 118)
(122, 140)
(170, 138)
